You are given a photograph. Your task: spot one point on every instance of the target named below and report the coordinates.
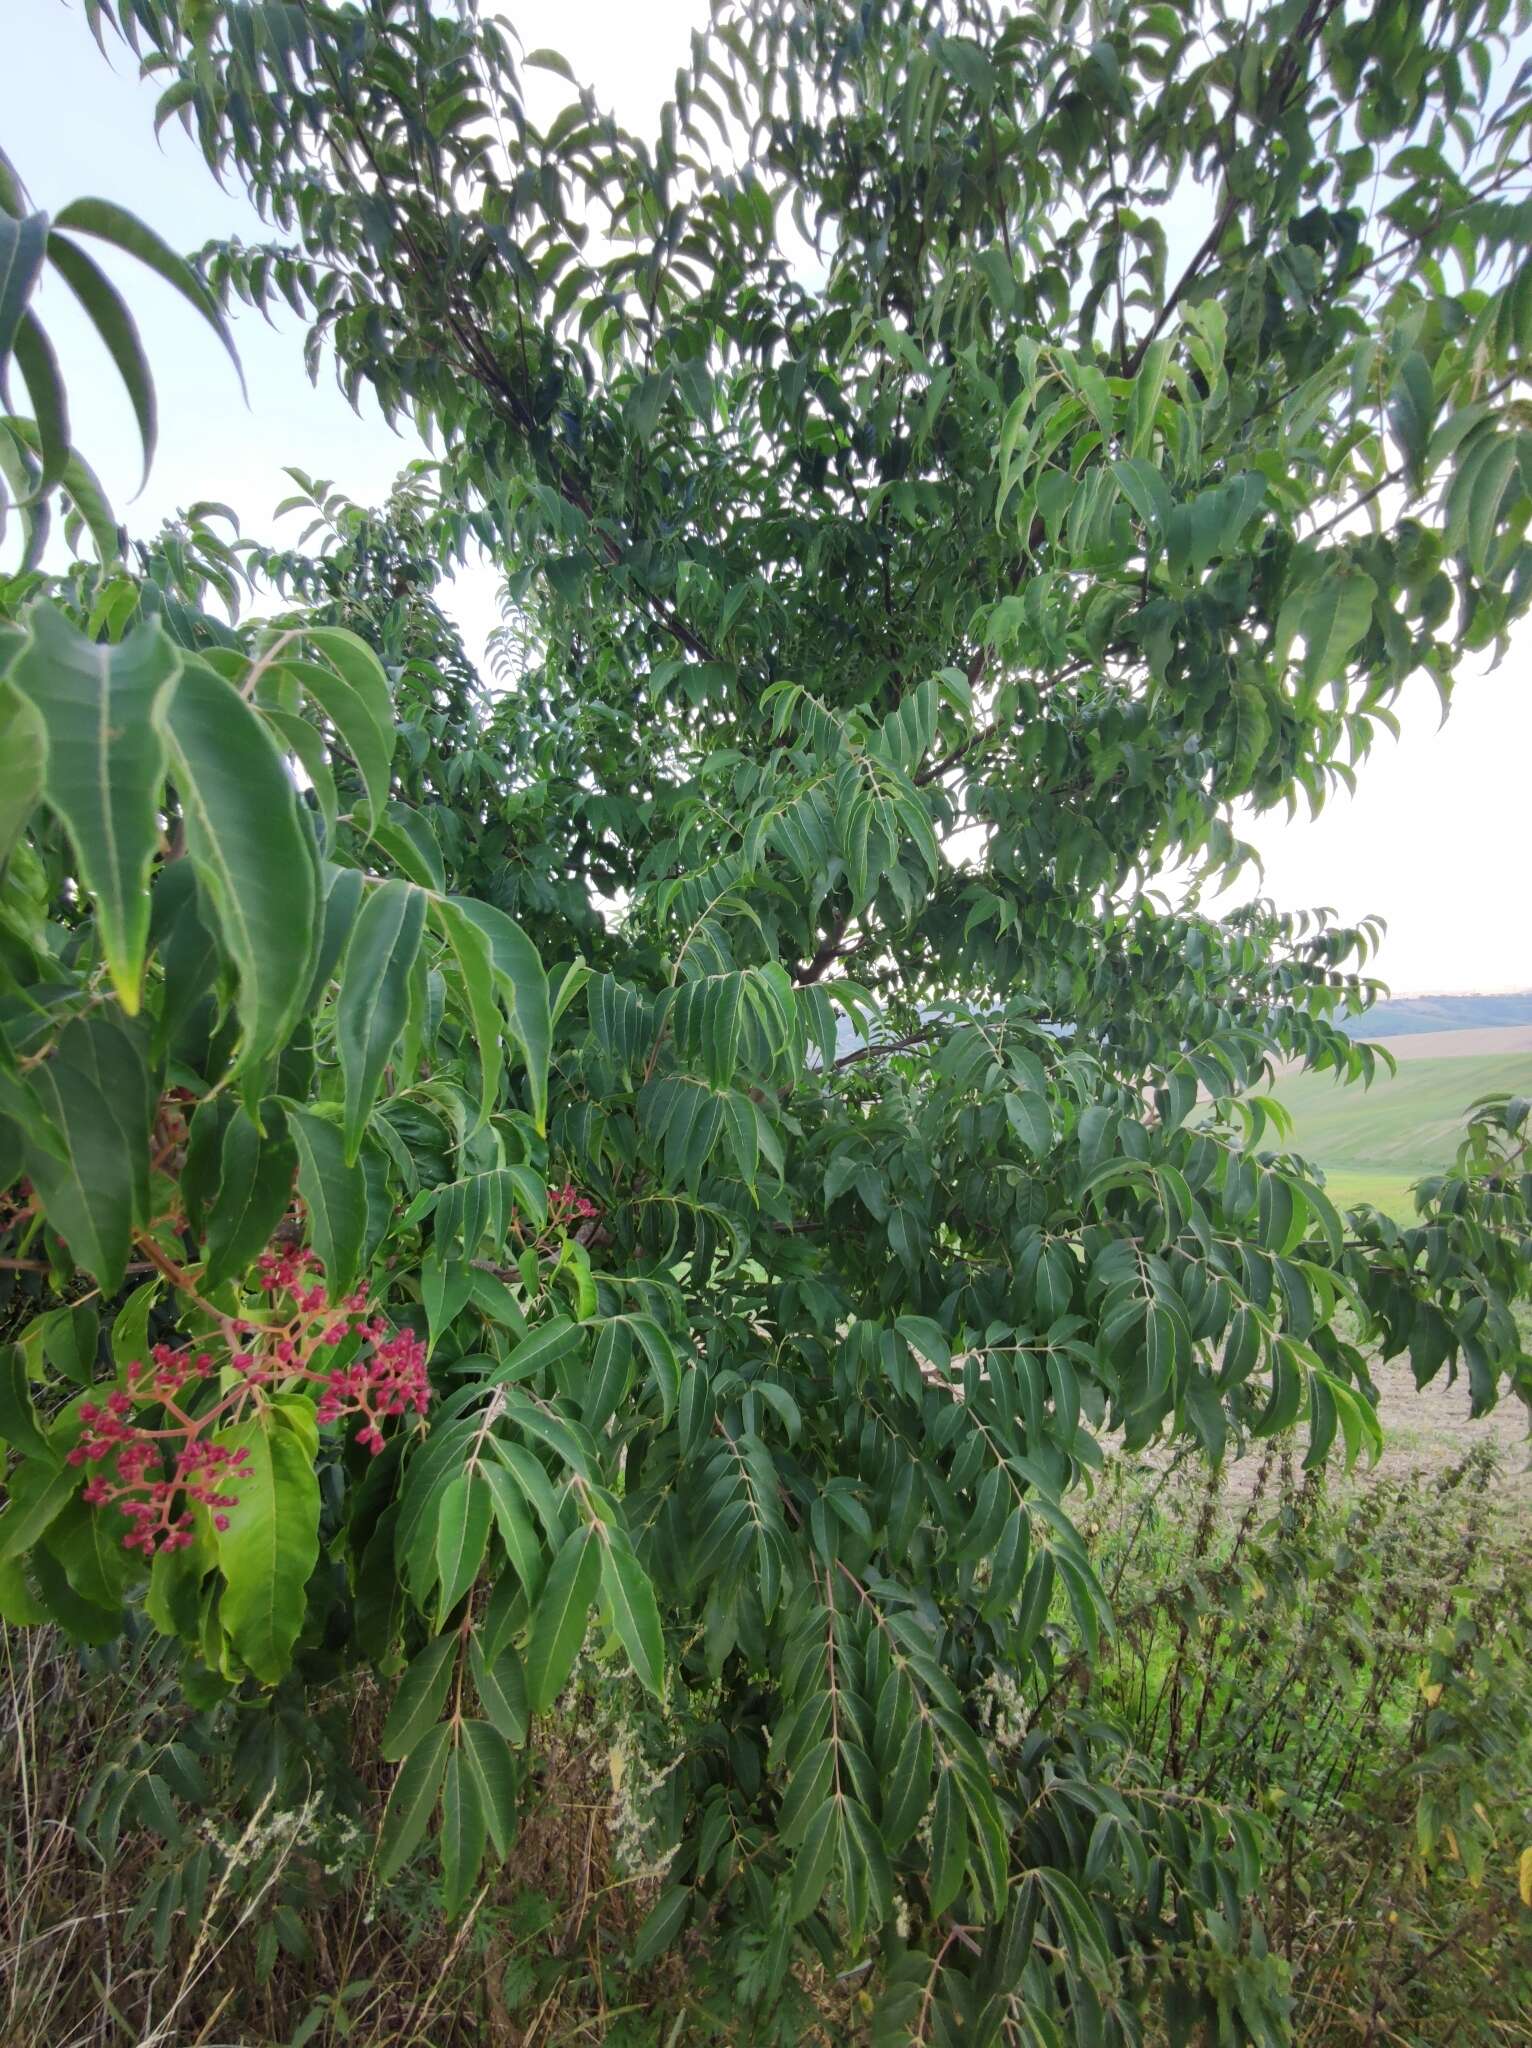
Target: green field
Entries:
(1374, 1143)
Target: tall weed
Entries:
(1354, 1662)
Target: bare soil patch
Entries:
(1459, 1045)
(1429, 1430)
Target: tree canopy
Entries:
(726, 1102)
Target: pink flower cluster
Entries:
(157, 1506)
(567, 1205)
(155, 1476)
(390, 1380)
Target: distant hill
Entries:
(1397, 1017)
(1403, 1016)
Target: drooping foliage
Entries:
(724, 1105)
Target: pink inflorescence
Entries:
(156, 1499)
(154, 1476)
(392, 1381)
(567, 1205)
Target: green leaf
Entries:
(1079, 1928)
(101, 710)
(334, 1191)
(444, 1289)
(374, 996)
(1029, 1118)
(635, 1613)
(19, 1425)
(80, 485)
(949, 1843)
(531, 1479)
(256, 863)
(550, 60)
(662, 1924)
(502, 1688)
(812, 1864)
(112, 223)
(70, 1341)
(343, 889)
(907, 1792)
(94, 1093)
(464, 1833)
(130, 1327)
(361, 669)
(664, 1365)
(462, 1536)
(411, 1800)
(488, 1758)
(516, 1532)
(1147, 492)
(523, 986)
(1332, 616)
(1492, 477)
(366, 736)
(610, 1376)
(304, 741)
(411, 845)
(22, 246)
(255, 1187)
(419, 1701)
(50, 406)
(34, 1507)
(111, 319)
(540, 1348)
(1143, 403)
(558, 1625)
(23, 762)
(268, 1552)
(471, 950)
(88, 1545)
(81, 1620)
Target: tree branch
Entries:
(830, 951)
(1283, 78)
(878, 1052)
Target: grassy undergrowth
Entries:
(1349, 1660)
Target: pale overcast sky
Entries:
(1437, 840)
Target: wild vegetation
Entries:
(499, 1399)
(1381, 1760)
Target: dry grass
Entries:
(528, 1965)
